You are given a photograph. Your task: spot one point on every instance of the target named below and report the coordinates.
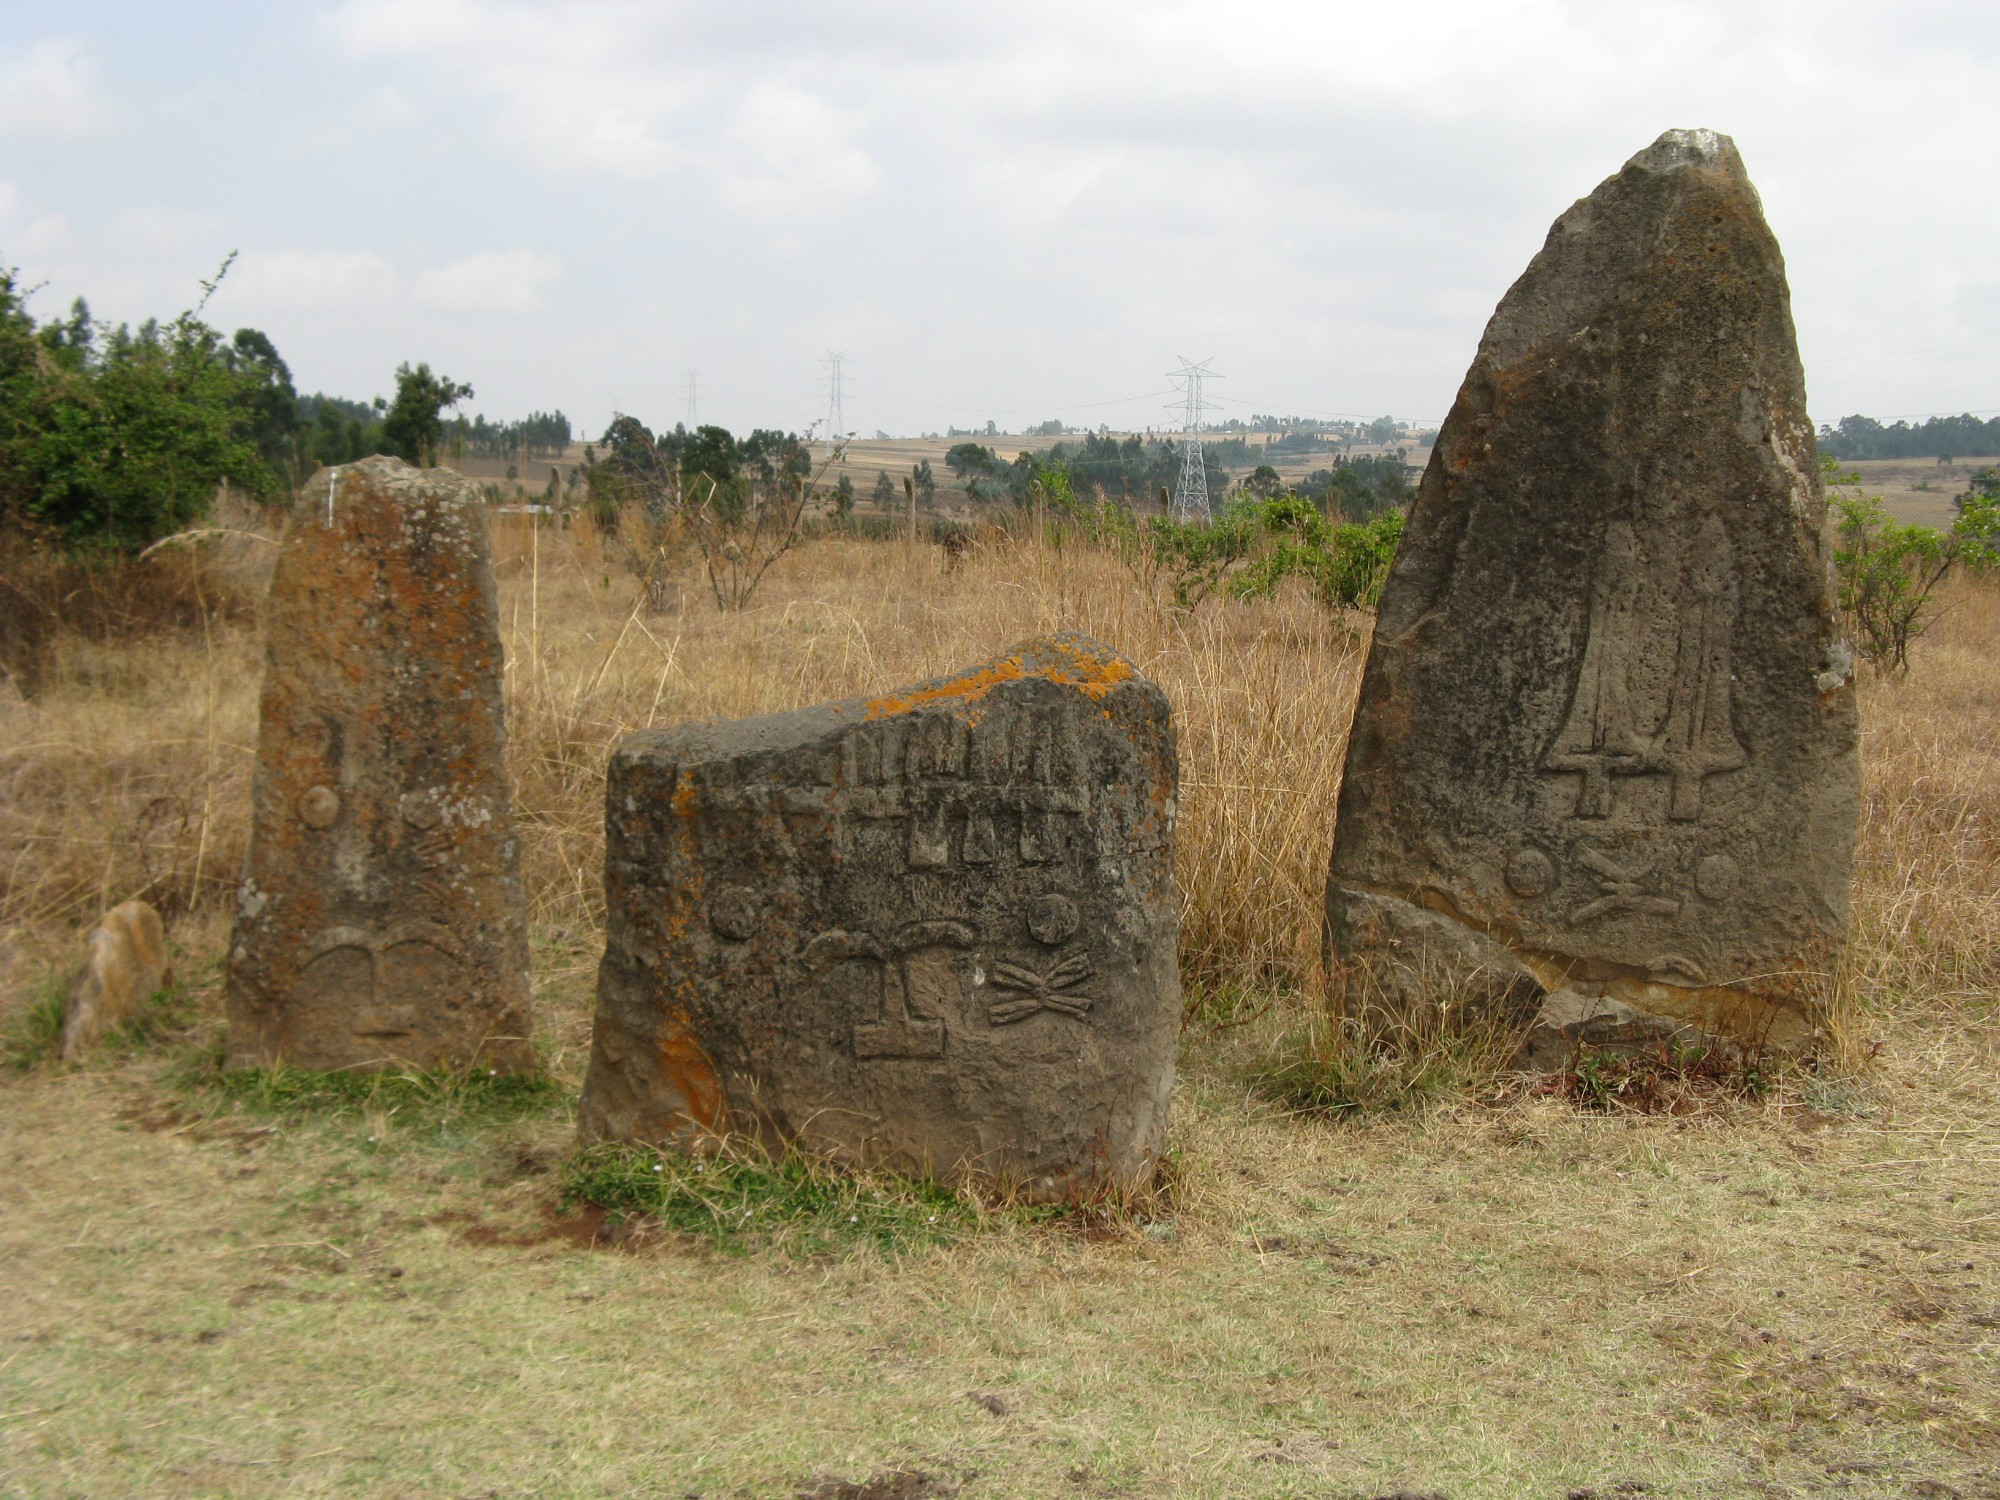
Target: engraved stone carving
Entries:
(1032, 990)
(1053, 919)
(319, 806)
(1603, 761)
(1529, 872)
(1621, 888)
(934, 930)
(907, 1019)
(1652, 691)
(384, 921)
(1716, 877)
(734, 913)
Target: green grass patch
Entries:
(470, 1097)
(1344, 1073)
(33, 1035)
(1665, 1079)
(1221, 1004)
(743, 1200)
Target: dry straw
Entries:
(124, 761)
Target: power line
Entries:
(1191, 494)
(1014, 411)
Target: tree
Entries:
(271, 401)
(1859, 437)
(1263, 482)
(968, 460)
(1886, 572)
(884, 493)
(115, 438)
(925, 482)
(1360, 488)
(843, 499)
(413, 430)
(741, 504)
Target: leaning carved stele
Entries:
(1603, 771)
(380, 920)
(932, 931)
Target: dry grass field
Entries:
(1473, 1290)
(865, 458)
(1918, 491)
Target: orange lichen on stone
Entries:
(1090, 673)
(686, 1070)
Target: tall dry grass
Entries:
(126, 772)
(1261, 692)
(1927, 869)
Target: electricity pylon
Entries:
(836, 418)
(692, 411)
(1191, 493)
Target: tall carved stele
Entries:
(933, 931)
(380, 920)
(1603, 771)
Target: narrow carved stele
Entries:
(1603, 770)
(380, 918)
(933, 931)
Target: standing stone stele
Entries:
(1603, 770)
(380, 920)
(125, 965)
(933, 931)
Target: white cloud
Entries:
(301, 279)
(27, 239)
(564, 89)
(491, 281)
(792, 153)
(50, 92)
(1329, 195)
(168, 230)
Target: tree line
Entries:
(1962, 436)
(113, 437)
(1135, 470)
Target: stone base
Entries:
(1412, 961)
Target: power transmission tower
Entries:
(692, 418)
(1191, 493)
(836, 417)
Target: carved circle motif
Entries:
(319, 806)
(1529, 872)
(1716, 877)
(734, 913)
(420, 810)
(1053, 919)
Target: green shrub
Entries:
(115, 438)
(1886, 572)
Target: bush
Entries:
(1346, 564)
(1886, 572)
(114, 439)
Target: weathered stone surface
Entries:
(933, 931)
(1604, 761)
(125, 966)
(380, 917)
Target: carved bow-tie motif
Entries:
(1032, 992)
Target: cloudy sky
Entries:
(995, 211)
